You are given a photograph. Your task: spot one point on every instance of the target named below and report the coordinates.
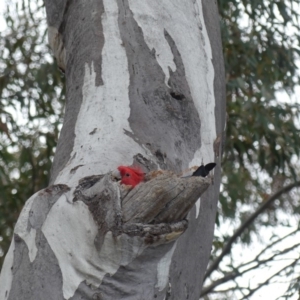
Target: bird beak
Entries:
(116, 175)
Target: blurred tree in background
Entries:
(31, 107)
(261, 48)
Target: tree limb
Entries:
(252, 291)
(244, 226)
(232, 275)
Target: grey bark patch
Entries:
(102, 197)
(156, 234)
(80, 15)
(43, 203)
(177, 95)
(88, 182)
(93, 131)
(217, 144)
(137, 280)
(73, 171)
(146, 164)
(186, 273)
(153, 105)
(57, 8)
(41, 279)
(86, 292)
(79, 23)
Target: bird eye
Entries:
(127, 175)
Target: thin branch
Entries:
(289, 291)
(236, 273)
(270, 246)
(269, 279)
(246, 224)
(227, 277)
(252, 291)
(230, 289)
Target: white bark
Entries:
(141, 89)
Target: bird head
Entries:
(131, 175)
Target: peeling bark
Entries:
(145, 86)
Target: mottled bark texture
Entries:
(133, 98)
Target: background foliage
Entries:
(31, 106)
(261, 50)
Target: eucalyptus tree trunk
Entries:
(145, 87)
